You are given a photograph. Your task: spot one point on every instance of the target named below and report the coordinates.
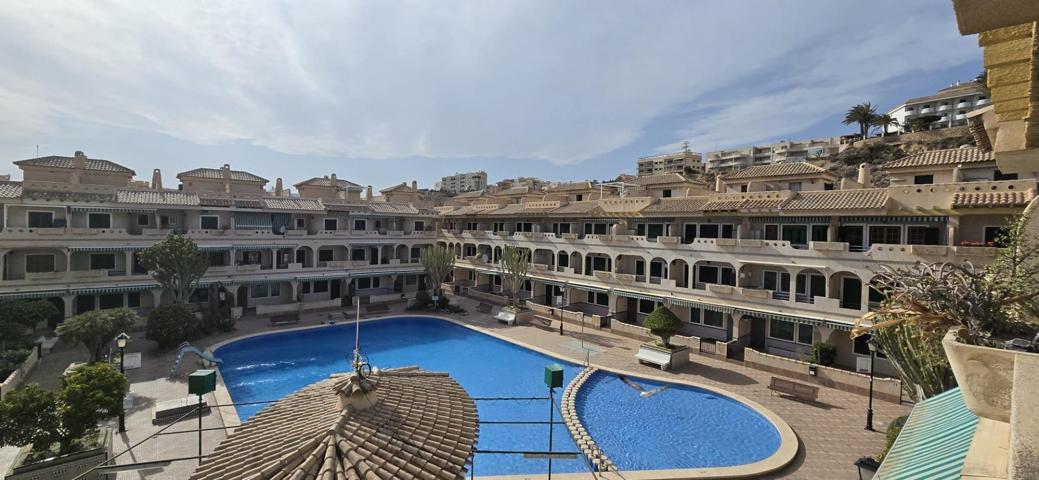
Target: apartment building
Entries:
(72, 228)
(681, 162)
(464, 182)
(772, 270)
(787, 151)
(946, 108)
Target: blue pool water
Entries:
(697, 428)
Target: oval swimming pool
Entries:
(270, 366)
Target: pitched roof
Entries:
(861, 199)
(156, 197)
(217, 174)
(577, 208)
(396, 208)
(951, 92)
(778, 170)
(472, 194)
(55, 161)
(951, 156)
(991, 199)
(327, 182)
(289, 203)
(663, 179)
(398, 423)
(677, 205)
(402, 187)
(513, 191)
(10, 189)
(572, 187)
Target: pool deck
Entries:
(831, 431)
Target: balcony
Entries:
(926, 110)
(963, 105)
(981, 102)
(942, 108)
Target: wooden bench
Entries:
(372, 309)
(285, 319)
(484, 308)
(801, 391)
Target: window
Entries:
(713, 319)
(804, 333)
(332, 224)
(708, 230)
(771, 232)
(416, 252)
(209, 222)
(666, 193)
(861, 346)
(595, 228)
(994, 236)
(215, 258)
(301, 223)
(420, 226)
(364, 283)
(143, 220)
(361, 225)
(250, 258)
(708, 274)
(887, 234)
(597, 264)
(795, 186)
(647, 306)
(305, 287)
(410, 279)
(102, 261)
(472, 226)
(694, 315)
(133, 300)
(258, 291)
(795, 234)
(321, 286)
(597, 298)
(39, 263)
(357, 254)
(560, 228)
(41, 219)
(923, 179)
(743, 189)
(999, 176)
(781, 330)
(728, 231)
(820, 233)
(99, 220)
(827, 186)
(917, 235)
(524, 227)
(325, 255)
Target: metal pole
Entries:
(869, 409)
(551, 418)
(200, 429)
(122, 408)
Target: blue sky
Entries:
(384, 92)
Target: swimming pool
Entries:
(633, 429)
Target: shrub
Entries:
(33, 416)
(95, 329)
(823, 353)
(892, 434)
(662, 323)
(169, 325)
(17, 317)
(422, 300)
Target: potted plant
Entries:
(664, 324)
(983, 317)
(58, 430)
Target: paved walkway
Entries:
(831, 432)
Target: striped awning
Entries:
(33, 294)
(554, 283)
(262, 246)
(370, 243)
(588, 288)
(323, 276)
(213, 248)
(681, 302)
(638, 296)
(254, 281)
(934, 441)
(894, 219)
(112, 289)
(110, 248)
(112, 209)
(253, 220)
(783, 220)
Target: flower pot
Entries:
(985, 376)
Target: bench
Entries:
(372, 309)
(285, 319)
(484, 308)
(801, 391)
(507, 317)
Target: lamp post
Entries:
(872, 344)
(120, 341)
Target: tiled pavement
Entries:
(831, 432)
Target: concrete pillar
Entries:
(128, 263)
(157, 296)
(68, 300)
(952, 231)
(865, 296)
(793, 283)
(294, 290)
(3, 264)
(831, 233)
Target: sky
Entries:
(384, 92)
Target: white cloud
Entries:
(561, 81)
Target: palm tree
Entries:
(883, 121)
(862, 114)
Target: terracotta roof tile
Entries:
(572, 187)
(513, 191)
(663, 179)
(289, 203)
(510, 209)
(10, 189)
(399, 423)
(94, 164)
(327, 182)
(155, 197)
(677, 205)
(472, 194)
(394, 208)
(777, 170)
(577, 208)
(863, 199)
(217, 174)
(951, 156)
(991, 199)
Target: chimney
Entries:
(864, 175)
(718, 187)
(357, 393)
(414, 185)
(278, 187)
(333, 181)
(957, 174)
(369, 195)
(225, 172)
(157, 179)
(79, 161)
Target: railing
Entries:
(777, 295)
(708, 346)
(804, 298)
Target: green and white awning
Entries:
(554, 283)
(262, 246)
(934, 441)
(323, 276)
(110, 248)
(893, 219)
(112, 209)
(214, 248)
(589, 288)
(253, 220)
(112, 289)
(681, 302)
(785, 220)
(32, 294)
(638, 296)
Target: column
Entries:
(128, 267)
(156, 297)
(952, 230)
(3, 264)
(865, 296)
(793, 283)
(831, 233)
(293, 290)
(68, 300)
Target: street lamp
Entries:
(872, 344)
(120, 341)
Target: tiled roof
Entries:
(327, 182)
(761, 203)
(397, 188)
(513, 191)
(399, 423)
(66, 196)
(572, 187)
(991, 199)
(952, 156)
(246, 202)
(510, 209)
(155, 197)
(864, 199)
(394, 208)
(472, 194)
(94, 164)
(777, 170)
(576, 208)
(951, 92)
(722, 205)
(216, 174)
(464, 210)
(677, 205)
(662, 179)
(215, 201)
(10, 189)
(287, 203)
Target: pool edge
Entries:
(783, 456)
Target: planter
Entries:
(65, 467)
(985, 376)
(665, 358)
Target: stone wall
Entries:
(916, 137)
(642, 333)
(887, 389)
(16, 377)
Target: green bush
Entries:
(33, 416)
(422, 300)
(663, 323)
(823, 353)
(96, 328)
(892, 434)
(169, 325)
